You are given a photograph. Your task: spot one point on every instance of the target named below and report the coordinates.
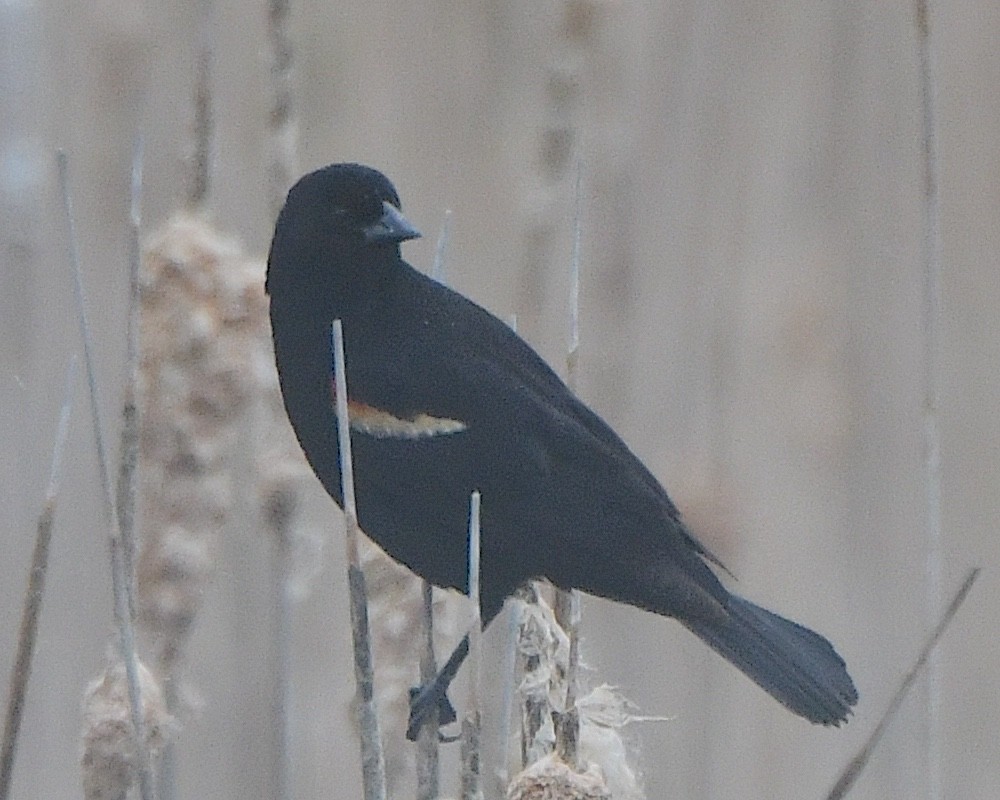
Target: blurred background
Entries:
(751, 324)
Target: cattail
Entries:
(109, 761)
(604, 757)
(543, 648)
(202, 308)
(551, 779)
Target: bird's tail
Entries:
(796, 666)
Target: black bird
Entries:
(446, 399)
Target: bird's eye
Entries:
(359, 213)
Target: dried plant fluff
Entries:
(550, 779)
(203, 309)
(108, 762)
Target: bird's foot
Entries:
(424, 702)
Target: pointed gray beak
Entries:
(392, 226)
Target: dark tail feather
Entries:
(796, 666)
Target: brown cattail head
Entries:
(109, 760)
(551, 779)
(203, 312)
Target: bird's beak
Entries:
(392, 226)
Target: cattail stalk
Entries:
(428, 752)
(33, 596)
(120, 579)
(472, 722)
(200, 168)
(128, 469)
(931, 319)
(372, 758)
(857, 764)
(567, 603)
(282, 127)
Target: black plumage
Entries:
(446, 399)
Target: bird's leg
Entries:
(423, 699)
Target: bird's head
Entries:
(337, 220)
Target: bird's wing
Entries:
(454, 363)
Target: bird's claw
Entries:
(424, 700)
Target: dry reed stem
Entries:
(279, 504)
(127, 490)
(372, 758)
(282, 125)
(857, 764)
(573, 347)
(513, 611)
(428, 748)
(543, 648)
(931, 323)
(573, 27)
(295, 553)
(512, 614)
(471, 750)
(280, 474)
(282, 168)
(574, 39)
(567, 603)
(472, 721)
(395, 606)
(203, 129)
(120, 579)
(21, 671)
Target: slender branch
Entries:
(574, 282)
(476, 631)
(513, 617)
(128, 468)
(279, 506)
(120, 580)
(472, 723)
(931, 316)
(200, 177)
(62, 161)
(282, 167)
(282, 125)
(428, 750)
(33, 596)
(567, 603)
(372, 758)
(513, 612)
(858, 763)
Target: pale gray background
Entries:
(750, 325)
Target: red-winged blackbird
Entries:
(446, 399)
